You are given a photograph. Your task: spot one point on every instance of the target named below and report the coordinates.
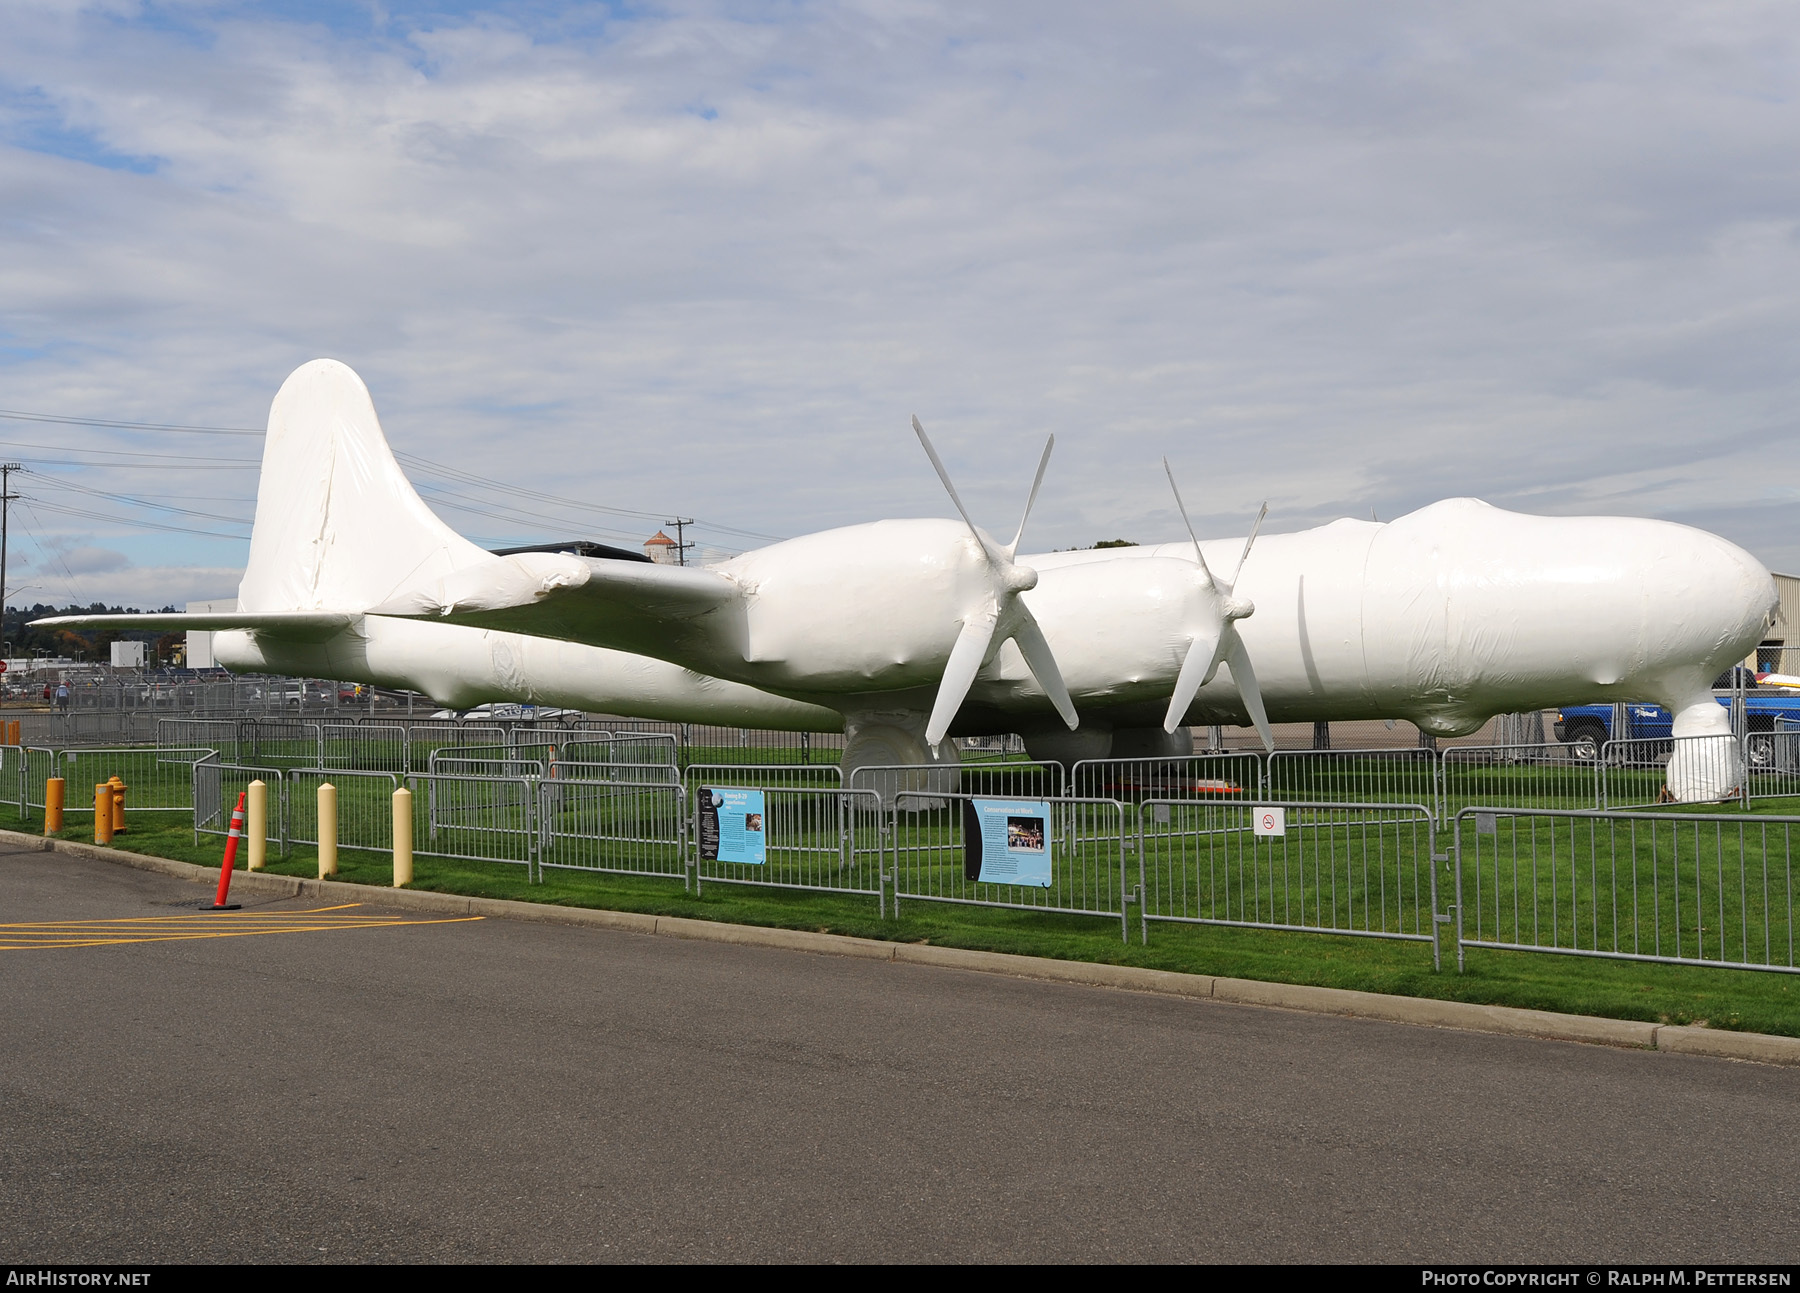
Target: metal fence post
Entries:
(534, 868)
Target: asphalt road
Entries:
(500, 1091)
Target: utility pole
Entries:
(6, 498)
(681, 544)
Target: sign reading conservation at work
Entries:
(1007, 841)
(731, 825)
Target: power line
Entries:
(139, 502)
(193, 462)
(532, 521)
(541, 496)
(198, 459)
(114, 519)
(46, 549)
(61, 420)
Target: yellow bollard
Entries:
(327, 829)
(103, 814)
(54, 789)
(118, 804)
(256, 825)
(402, 837)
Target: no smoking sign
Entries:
(1268, 821)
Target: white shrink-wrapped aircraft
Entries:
(903, 633)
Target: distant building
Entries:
(660, 548)
(1782, 654)
(200, 645)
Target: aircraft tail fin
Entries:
(338, 525)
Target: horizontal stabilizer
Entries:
(292, 626)
(640, 607)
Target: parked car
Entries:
(1589, 727)
(509, 711)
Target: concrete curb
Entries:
(1762, 1048)
(1441, 1014)
(1512, 1021)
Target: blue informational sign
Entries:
(731, 825)
(1007, 841)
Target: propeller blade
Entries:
(1245, 678)
(1205, 569)
(944, 476)
(1254, 527)
(1031, 643)
(965, 662)
(1043, 462)
(1196, 671)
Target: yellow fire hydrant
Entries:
(118, 789)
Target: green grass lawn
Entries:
(1733, 999)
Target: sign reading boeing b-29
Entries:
(731, 825)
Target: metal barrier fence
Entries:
(477, 819)
(1358, 869)
(535, 753)
(621, 826)
(486, 765)
(364, 806)
(1221, 776)
(1082, 845)
(427, 736)
(15, 777)
(1700, 888)
(1772, 763)
(366, 747)
(40, 764)
(652, 749)
(824, 839)
(618, 774)
(1636, 772)
(286, 740)
(216, 788)
(1551, 774)
(818, 776)
(156, 780)
(1686, 888)
(221, 734)
(66, 727)
(1404, 775)
(736, 746)
(912, 786)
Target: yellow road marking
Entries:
(228, 924)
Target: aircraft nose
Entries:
(1737, 595)
(1759, 600)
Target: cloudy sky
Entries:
(603, 264)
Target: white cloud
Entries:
(92, 561)
(708, 260)
(136, 587)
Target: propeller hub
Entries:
(1020, 579)
(1239, 608)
